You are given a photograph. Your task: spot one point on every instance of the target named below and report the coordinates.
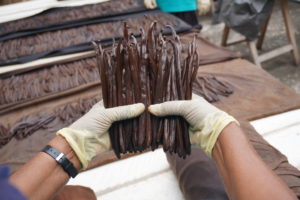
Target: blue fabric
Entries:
(177, 5)
(7, 191)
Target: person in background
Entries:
(217, 133)
(183, 9)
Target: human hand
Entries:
(88, 136)
(150, 4)
(206, 121)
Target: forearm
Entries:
(244, 174)
(41, 177)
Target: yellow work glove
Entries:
(150, 4)
(88, 136)
(206, 121)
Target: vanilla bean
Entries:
(145, 118)
(129, 95)
(173, 135)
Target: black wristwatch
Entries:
(62, 160)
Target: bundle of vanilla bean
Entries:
(149, 70)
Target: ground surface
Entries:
(281, 67)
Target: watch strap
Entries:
(62, 160)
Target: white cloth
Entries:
(29, 8)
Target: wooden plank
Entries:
(274, 53)
(225, 36)
(254, 53)
(236, 42)
(263, 31)
(290, 30)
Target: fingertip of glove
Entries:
(134, 110)
(154, 109)
(139, 107)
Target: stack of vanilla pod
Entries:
(150, 69)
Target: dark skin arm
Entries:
(42, 177)
(244, 174)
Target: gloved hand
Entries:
(206, 121)
(150, 4)
(88, 136)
